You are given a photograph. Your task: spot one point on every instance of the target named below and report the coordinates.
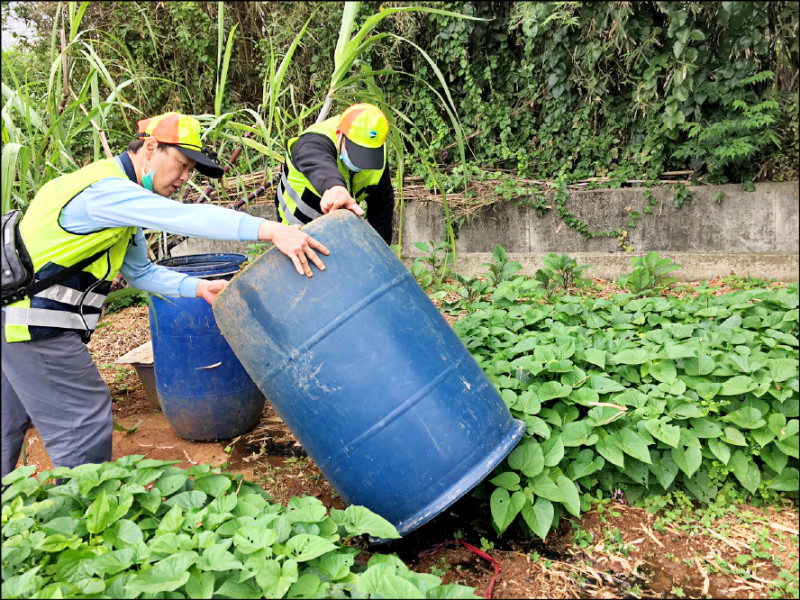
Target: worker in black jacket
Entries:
(337, 164)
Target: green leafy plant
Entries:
(472, 292)
(710, 91)
(696, 398)
(253, 251)
(500, 269)
(615, 543)
(581, 537)
(743, 283)
(127, 430)
(441, 569)
(649, 272)
(651, 201)
(141, 527)
(433, 268)
(561, 272)
(731, 143)
(124, 298)
(681, 193)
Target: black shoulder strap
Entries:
(38, 286)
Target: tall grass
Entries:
(344, 86)
(260, 133)
(49, 125)
(53, 124)
(279, 118)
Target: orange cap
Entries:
(182, 132)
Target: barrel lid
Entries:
(205, 265)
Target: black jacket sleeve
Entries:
(380, 206)
(314, 155)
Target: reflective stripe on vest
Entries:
(43, 317)
(286, 215)
(298, 202)
(66, 295)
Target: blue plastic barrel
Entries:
(203, 390)
(367, 374)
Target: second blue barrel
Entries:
(203, 390)
(367, 374)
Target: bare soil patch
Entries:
(610, 552)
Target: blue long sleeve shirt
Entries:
(115, 202)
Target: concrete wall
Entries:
(751, 234)
(762, 221)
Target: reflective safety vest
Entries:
(295, 191)
(75, 303)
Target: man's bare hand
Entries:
(338, 197)
(296, 244)
(210, 288)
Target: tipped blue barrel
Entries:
(203, 390)
(367, 374)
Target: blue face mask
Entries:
(346, 161)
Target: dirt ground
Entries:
(612, 551)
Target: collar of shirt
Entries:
(127, 166)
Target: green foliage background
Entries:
(589, 89)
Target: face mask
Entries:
(346, 162)
(147, 179)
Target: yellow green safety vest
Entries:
(75, 303)
(294, 186)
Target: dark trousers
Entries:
(55, 384)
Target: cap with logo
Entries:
(365, 128)
(183, 133)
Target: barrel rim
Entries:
(208, 264)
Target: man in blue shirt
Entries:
(48, 375)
